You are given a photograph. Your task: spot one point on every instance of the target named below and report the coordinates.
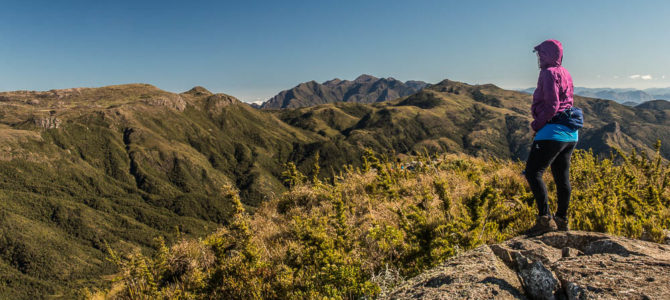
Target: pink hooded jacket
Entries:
(554, 86)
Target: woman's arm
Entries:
(546, 102)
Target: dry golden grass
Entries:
(359, 234)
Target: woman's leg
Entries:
(542, 154)
(560, 169)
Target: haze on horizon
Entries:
(253, 50)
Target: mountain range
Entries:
(370, 89)
(364, 89)
(630, 97)
(84, 169)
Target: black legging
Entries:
(557, 154)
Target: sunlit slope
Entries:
(123, 164)
(478, 120)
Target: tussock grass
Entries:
(360, 232)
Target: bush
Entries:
(358, 234)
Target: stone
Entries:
(538, 281)
(556, 265)
(574, 291)
(570, 252)
(527, 248)
(47, 122)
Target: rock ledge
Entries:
(556, 265)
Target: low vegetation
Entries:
(360, 232)
(87, 169)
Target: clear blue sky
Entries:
(254, 49)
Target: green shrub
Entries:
(357, 234)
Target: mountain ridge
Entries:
(364, 89)
(626, 96)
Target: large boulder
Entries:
(556, 265)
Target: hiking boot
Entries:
(543, 224)
(562, 223)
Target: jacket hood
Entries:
(551, 53)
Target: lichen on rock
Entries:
(556, 265)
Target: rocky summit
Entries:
(556, 265)
(364, 89)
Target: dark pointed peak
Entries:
(334, 81)
(198, 91)
(448, 83)
(308, 83)
(311, 85)
(445, 82)
(489, 86)
(416, 82)
(365, 78)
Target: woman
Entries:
(553, 143)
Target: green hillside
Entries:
(120, 165)
(478, 120)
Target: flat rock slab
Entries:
(606, 276)
(585, 265)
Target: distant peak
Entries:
(365, 78)
(198, 91)
(489, 86)
(333, 81)
(451, 83)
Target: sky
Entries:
(254, 49)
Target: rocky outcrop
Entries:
(64, 93)
(47, 122)
(557, 265)
(171, 101)
(216, 103)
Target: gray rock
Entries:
(175, 102)
(570, 252)
(556, 265)
(574, 291)
(538, 281)
(528, 248)
(47, 122)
